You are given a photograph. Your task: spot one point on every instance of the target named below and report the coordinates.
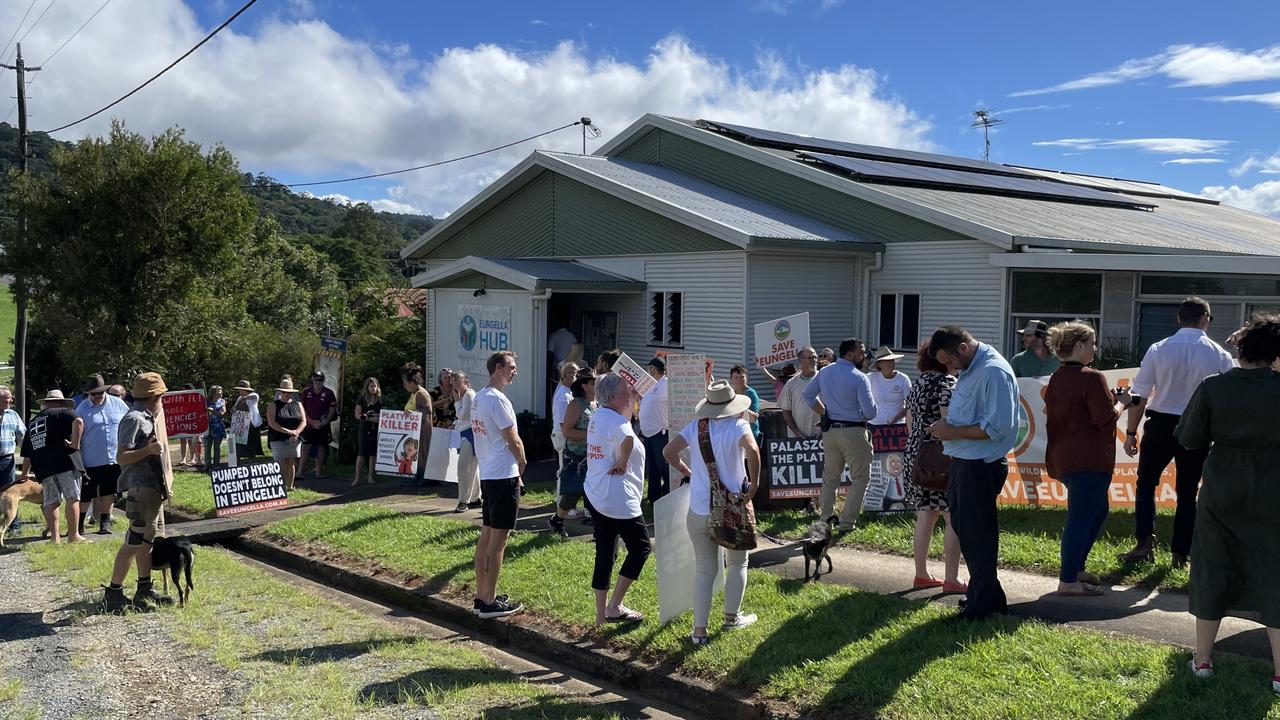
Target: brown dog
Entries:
(30, 490)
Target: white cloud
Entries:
(1169, 146)
(1186, 65)
(1192, 161)
(296, 97)
(1272, 99)
(1265, 165)
(1261, 198)
(384, 204)
(537, 21)
(784, 7)
(1031, 108)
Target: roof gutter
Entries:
(876, 266)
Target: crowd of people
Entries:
(1210, 415)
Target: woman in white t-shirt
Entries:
(889, 388)
(464, 399)
(614, 485)
(737, 459)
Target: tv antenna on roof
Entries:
(982, 118)
(588, 129)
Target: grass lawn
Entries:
(1030, 540)
(312, 658)
(193, 493)
(823, 650)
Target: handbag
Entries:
(932, 467)
(732, 524)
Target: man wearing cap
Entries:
(322, 407)
(889, 387)
(841, 394)
(48, 447)
(1036, 359)
(146, 476)
(101, 414)
(654, 418)
(12, 430)
(1171, 371)
(800, 418)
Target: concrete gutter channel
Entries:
(687, 693)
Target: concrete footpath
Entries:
(1159, 616)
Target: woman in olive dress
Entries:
(1235, 568)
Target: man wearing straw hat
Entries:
(889, 387)
(51, 440)
(146, 476)
(101, 414)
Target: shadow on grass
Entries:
(420, 686)
(872, 682)
(817, 635)
(318, 654)
(1234, 693)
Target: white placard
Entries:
(673, 553)
(637, 377)
(686, 387)
(779, 341)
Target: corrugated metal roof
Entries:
(558, 271)
(1174, 225)
(747, 215)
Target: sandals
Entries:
(954, 588)
(924, 583)
(1088, 578)
(628, 617)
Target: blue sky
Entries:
(306, 89)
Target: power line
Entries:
(167, 68)
(16, 29)
(37, 22)
(420, 167)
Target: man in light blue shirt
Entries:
(101, 414)
(841, 394)
(12, 429)
(980, 429)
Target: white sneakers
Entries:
(740, 621)
(1204, 671)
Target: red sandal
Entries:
(924, 583)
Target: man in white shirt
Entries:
(654, 418)
(1171, 371)
(801, 420)
(889, 387)
(500, 453)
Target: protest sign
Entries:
(1029, 482)
(246, 488)
(673, 555)
(329, 361)
(887, 488)
(686, 387)
(240, 427)
(637, 377)
(779, 341)
(398, 433)
(442, 460)
(185, 413)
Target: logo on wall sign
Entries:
(467, 333)
(782, 330)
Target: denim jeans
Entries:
(212, 450)
(1087, 494)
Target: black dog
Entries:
(178, 555)
(816, 540)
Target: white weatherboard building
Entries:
(680, 235)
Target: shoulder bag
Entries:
(932, 466)
(732, 524)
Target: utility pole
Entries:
(19, 288)
(983, 118)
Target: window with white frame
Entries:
(899, 325)
(666, 319)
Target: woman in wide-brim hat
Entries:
(286, 418)
(737, 459)
(247, 401)
(889, 387)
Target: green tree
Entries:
(147, 254)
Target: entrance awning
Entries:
(532, 274)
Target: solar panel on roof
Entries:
(876, 170)
(789, 141)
